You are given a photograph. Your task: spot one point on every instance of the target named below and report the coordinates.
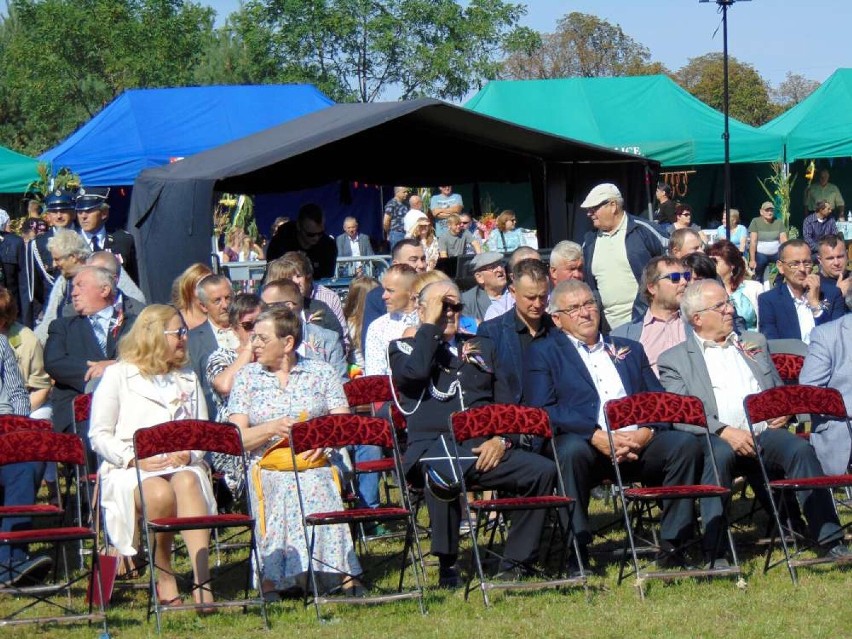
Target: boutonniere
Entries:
(749, 349)
(617, 353)
(315, 317)
(117, 323)
(313, 344)
(470, 354)
(182, 398)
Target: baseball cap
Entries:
(600, 194)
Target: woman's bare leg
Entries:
(160, 502)
(190, 503)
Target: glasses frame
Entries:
(180, 333)
(675, 277)
(797, 264)
(719, 306)
(574, 311)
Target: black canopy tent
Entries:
(171, 206)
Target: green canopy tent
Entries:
(820, 126)
(16, 171)
(646, 115)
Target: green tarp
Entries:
(647, 115)
(16, 171)
(820, 126)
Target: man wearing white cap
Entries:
(490, 275)
(616, 252)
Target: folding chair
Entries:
(46, 446)
(335, 431)
(503, 419)
(195, 434)
(789, 366)
(792, 400)
(644, 409)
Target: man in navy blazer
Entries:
(793, 308)
(571, 374)
(522, 325)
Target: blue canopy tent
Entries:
(145, 128)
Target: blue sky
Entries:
(775, 36)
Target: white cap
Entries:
(600, 194)
(412, 219)
(4, 218)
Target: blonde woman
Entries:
(424, 232)
(184, 296)
(151, 383)
(353, 311)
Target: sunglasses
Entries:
(248, 325)
(455, 307)
(675, 277)
(181, 332)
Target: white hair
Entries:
(693, 297)
(565, 251)
(564, 288)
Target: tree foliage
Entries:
(363, 49)
(793, 89)
(749, 93)
(61, 61)
(582, 46)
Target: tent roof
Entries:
(820, 126)
(16, 171)
(143, 128)
(647, 115)
(408, 141)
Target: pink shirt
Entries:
(660, 335)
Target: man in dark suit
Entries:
(571, 374)
(519, 327)
(38, 262)
(92, 214)
(793, 308)
(12, 261)
(307, 235)
(351, 243)
(721, 370)
(832, 255)
(437, 375)
(214, 294)
(79, 348)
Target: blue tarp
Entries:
(144, 128)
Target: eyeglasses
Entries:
(248, 325)
(574, 311)
(455, 307)
(719, 307)
(288, 304)
(181, 332)
(491, 267)
(263, 339)
(675, 277)
(797, 264)
(594, 209)
(685, 214)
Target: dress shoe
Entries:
(669, 556)
(839, 552)
(512, 572)
(717, 564)
(28, 572)
(449, 578)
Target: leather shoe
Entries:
(512, 572)
(449, 578)
(29, 572)
(839, 552)
(669, 556)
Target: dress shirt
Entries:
(660, 335)
(732, 380)
(804, 315)
(225, 337)
(355, 246)
(99, 234)
(101, 323)
(604, 375)
(380, 334)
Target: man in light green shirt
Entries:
(825, 190)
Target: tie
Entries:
(100, 333)
(96, 245)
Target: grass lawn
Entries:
(769, 606)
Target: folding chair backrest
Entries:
(82, 408)
(335, 431)
(654, 407)
(794, 400)
(500, 419)
(366, 390)
(188, 434)
(14, 423)
(41, 446)
(789, 366)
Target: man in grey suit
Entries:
(721, 368)
(490, 275)
(351, 243)
(214, 294)
(317, 342)
(829, 363)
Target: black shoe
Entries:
(29, 572)
(839, 552)
(669, 556)
(449, 578)
(512, 572)
(574, 564)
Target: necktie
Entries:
(96, 245)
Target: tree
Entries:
(749, 95)
(583, 45)
(61, 61)
(363, 49)
(793, 90)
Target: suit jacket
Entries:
(121, 243)
(502, 330)
(345, 250)
(71, 343)
(827, 284)
(202, 342)
(476, 302)
(12, 256)
(829, 363)
(777, 312)
(557, 380)
(633, 330)
(684, 371)
(325, 345)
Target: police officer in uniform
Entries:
(92, 214)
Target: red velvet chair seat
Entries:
(521, 503)
(32, 510)
(383, 465)
(357, 516)
(825, 481)
(71, 533)
(676, 492)
(203, 521)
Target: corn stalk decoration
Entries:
(778, 188)
(235, 211)
(47, 182)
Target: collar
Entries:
(578, 344)
(705, 344)
(100, 234)
(521, 327)
(409, 319)
(798, 301)
(217, 330)
(652, 319)
(621, 226)
(105, 313)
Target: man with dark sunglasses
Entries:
(307, 235)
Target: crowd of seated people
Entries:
(628, 310)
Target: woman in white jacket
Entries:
(151, 384)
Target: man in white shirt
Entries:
(401, 305)
(214, 294)
(720, 368)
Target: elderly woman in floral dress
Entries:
(267, 398)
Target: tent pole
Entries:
(648, 192)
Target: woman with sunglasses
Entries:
(152, 383)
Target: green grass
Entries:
(770, 606)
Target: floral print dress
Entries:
(313, 389)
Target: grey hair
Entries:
(424, 292)
(105, 260)
(523, 253)
(208, 280)
(348, 219)
(565, 251)
(67, 243)
(101, 276)
(693, 297)
(565, 288)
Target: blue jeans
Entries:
(762, 262)
(394, 237)
(20, 484)
(368, 483)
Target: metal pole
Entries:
(726, 98)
